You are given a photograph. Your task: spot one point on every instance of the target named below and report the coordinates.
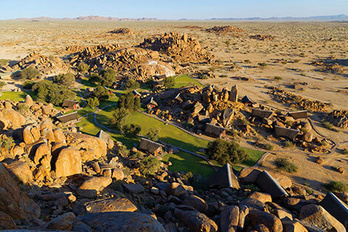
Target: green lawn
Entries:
(185, 80)
(14, 96)
(254, 156)
(167, 133)
(188, 163)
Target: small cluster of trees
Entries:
(129, 102)
(118, 121)
(226, 152)
(30, 73)
(67, 79)
(51, 92)
(169, 82)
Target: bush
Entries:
(149, 166)
(226, 152)
(92, 102)
(328, 125)
(132, 129)
(2, 84)
(288, 144)
(345, 151)
(22, 108)
(30, 73)
(268, 146)
(336, 186)
(277, 78)
(169, 82)
(28, 84)
(263, 64)
(67, 79)
(132, 84)
(6, 142)
(153, 134)
(83, 67)
(285, 165)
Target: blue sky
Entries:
(172, 9)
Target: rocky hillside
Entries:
(54, 178)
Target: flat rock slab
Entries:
(111, 205)
(134, 188)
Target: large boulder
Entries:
(122, 222)
(229, 219)
(28, 100)
(177, 189)
(21, 171)
(249, 175)
(196, 202)
(263, 197)
(252, 203)
(317, 216)
(196, 221)
(31, 134)
(13, 201)
(12, 118)
(63, 222)
(87, 143)
(68, 162)
(6, 222)
(291, 226)
(42, 150)
(110, 205)
(256, 217)
(59, 136)
(91, 187)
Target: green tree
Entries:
(67, 79)
(119, 117)
(137, 103)
(132, 84)
(108, 77)
(101, 93)
(30, 73)
(83, 67)
(149, 166)
(129, 102)
(52, 93)
(226, 152)
(92, 102)
(28, 84)
(169, 82)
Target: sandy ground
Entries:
(296, 45)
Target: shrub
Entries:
(345, 151)
(67, 79)
(149, 166)
(2, 84)
(268, 146)
(6, 142)
(328, 125)
(288, 144)
(22, 108)
(336, 186)
(153, 134)
(83, 67)
(277, 78)
(285, 165)
(132, 84)
(263, 64)
(92, 102)
(169, 82)
(30, 73)
(226, 152)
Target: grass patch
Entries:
(185, 80)
(285, 165)
(188, 163)
(15, 96)
(336, 186)
(254, 156)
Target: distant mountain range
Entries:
(86, 18)
(340, 17)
